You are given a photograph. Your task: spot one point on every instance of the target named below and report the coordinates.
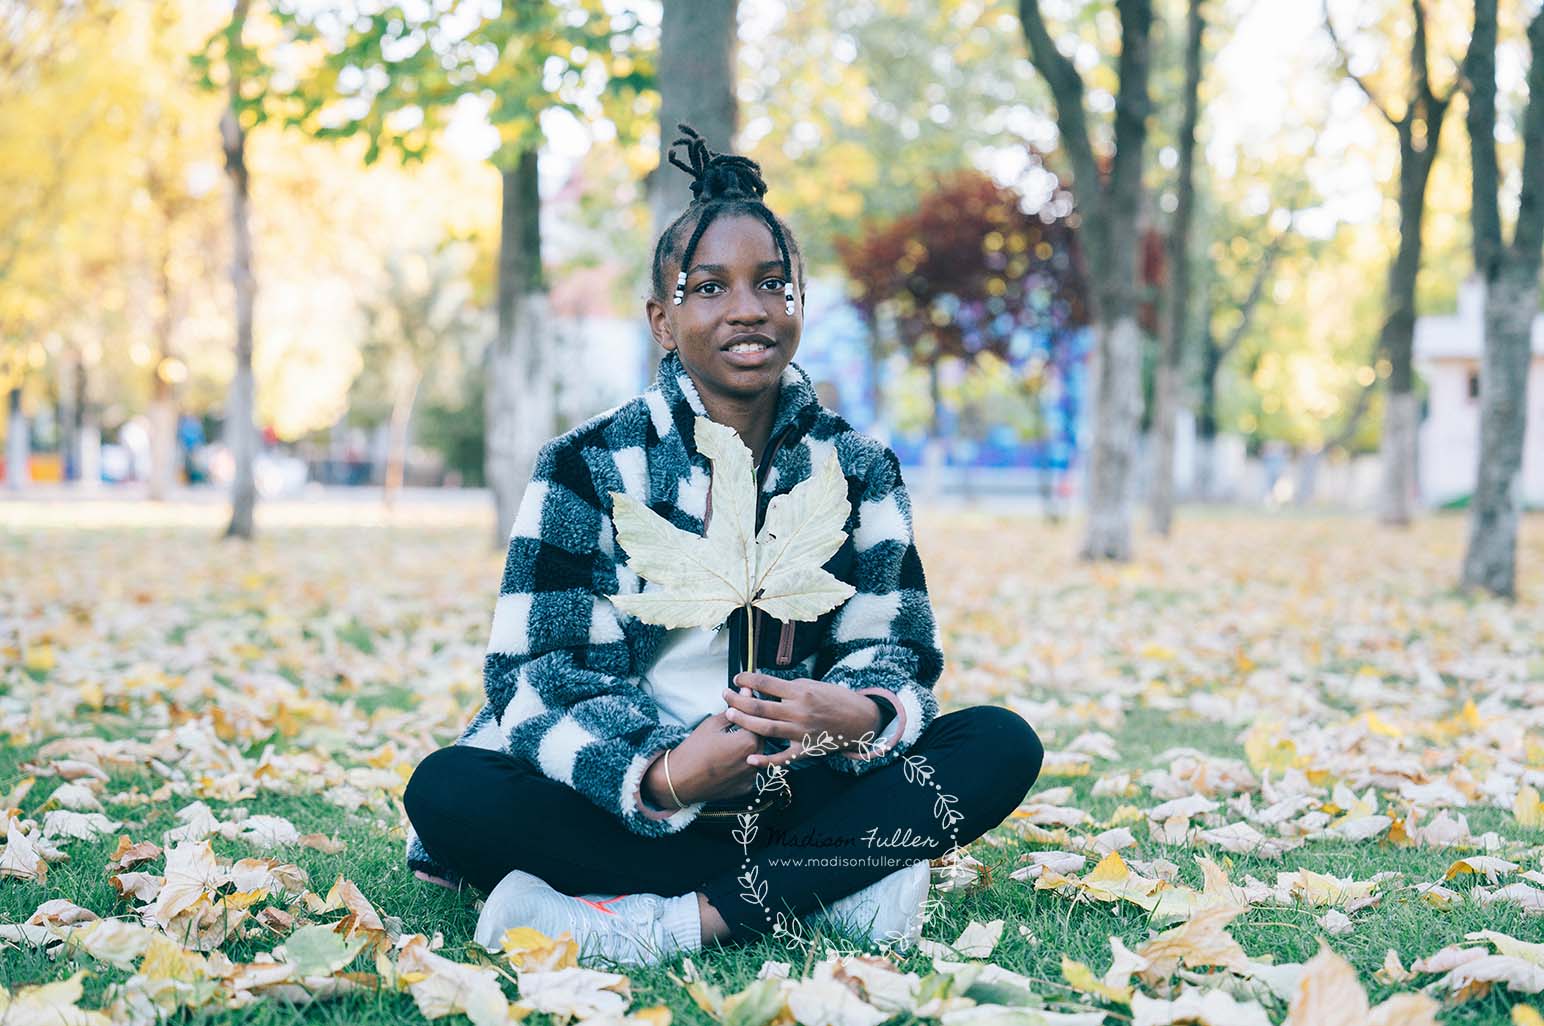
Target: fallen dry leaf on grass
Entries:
(1329, 687)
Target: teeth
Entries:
(746, 347)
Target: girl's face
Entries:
(734, 291)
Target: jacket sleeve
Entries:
(558, 674)
(884, 639)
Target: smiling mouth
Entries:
(751, 344)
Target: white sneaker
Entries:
(629, 929)
(889, 909)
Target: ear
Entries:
(659, 323)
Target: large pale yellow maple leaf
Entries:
(700, 579)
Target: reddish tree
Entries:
(968, 269)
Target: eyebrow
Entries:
(721, 269)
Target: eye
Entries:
(780, 282)
(707, 284)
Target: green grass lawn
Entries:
(362, 647)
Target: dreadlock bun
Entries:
(717, 176)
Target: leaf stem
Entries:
(750, 639)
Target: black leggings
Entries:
(484, 813)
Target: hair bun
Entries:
(717, 176)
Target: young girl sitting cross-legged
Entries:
(638, 786)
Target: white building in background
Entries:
(1447, 355)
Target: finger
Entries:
(789, 754)
(764, 682)
(763, 726)
(742, 701)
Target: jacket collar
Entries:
(797, 402)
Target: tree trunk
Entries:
(163, 401)
(1511, 303)
(1167, 395)
(871, 386)
(1116, 371)
(1110, 215)
(1397, 340)
(696, 86)
(1419, 129)
(396, 453)
(68, 417)
(18, 443)
(90, 449)
(1307, 477)
(240, 431)
(520, 401)
(1396, 499)
(163, 441)
(1206, 412)
(1511, 276)
(86, 432)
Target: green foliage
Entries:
(394, 75)
(452, 424)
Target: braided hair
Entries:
(723, 184)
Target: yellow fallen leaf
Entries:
(49, 1003)
(532, 950)
(1319, 889)
(1203, 940)
(1393, 970)
(1511, 946)
(1528, 809)
(441, 987)
(1329, 994)
(39, 658)
(1487, 866)
(1266, 750)
(1081, 978)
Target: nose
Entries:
(745, 306)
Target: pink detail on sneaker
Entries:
(601, 905)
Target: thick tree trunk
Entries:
(1511, 303)
(696, 86)
(1168, 389)
(1116, 372)
(1511, 276)
(1396, 500)
(1110, 215)
(520, 401)
(240, 407)
(18, 443)
(1397, 341)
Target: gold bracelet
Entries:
(679, 804)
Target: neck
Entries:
(751, 418)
